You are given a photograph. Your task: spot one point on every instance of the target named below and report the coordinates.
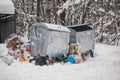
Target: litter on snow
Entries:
(20, 50)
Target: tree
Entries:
(102, 15)
(38, 10)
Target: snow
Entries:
(3, 50)
(70, 2)
(111, 13)
(107, 24)
(54, 27)
(6, 7)
(59, 12)
(101, 10)
(96, 0)
(104, 66)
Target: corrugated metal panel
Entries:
(6, 28)
(72, 36)
(53, 27)
(39, 38)
(50, 42)
(86, 39)
(84, 35)
(58, 43)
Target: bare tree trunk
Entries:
(43, 10)
(48, 10)
(32, 10)
(55, 14)
(62, 17)
(85, 10)
(38, 10)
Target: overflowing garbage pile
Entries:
(19, 49)
(74, 55)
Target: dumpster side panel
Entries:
(39, 41)
(33, 44)
(86, 39)
(58, 43)
(72, 36)
(42, 40)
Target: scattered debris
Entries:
(8, 60)
(17, 49)
(20, 51)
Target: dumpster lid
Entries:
(54, 27)
(79, 28)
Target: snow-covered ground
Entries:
(104, 66)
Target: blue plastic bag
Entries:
(71, 60)
(27, 44)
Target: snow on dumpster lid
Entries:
(6, 7)
(54, 27)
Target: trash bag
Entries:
(74, 58)
(13, 42)
(70, 59)
(78, 59)
(23, 58)
(27, 46)
(28, 49)
(41, 60)
(18, 53)
(50, 61)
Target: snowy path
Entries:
(105, 66)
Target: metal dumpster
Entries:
(49, 39)
(84, 35)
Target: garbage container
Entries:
(84, 35)
(49, 39)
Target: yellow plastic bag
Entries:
(23, 58)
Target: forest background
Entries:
(102, 15)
